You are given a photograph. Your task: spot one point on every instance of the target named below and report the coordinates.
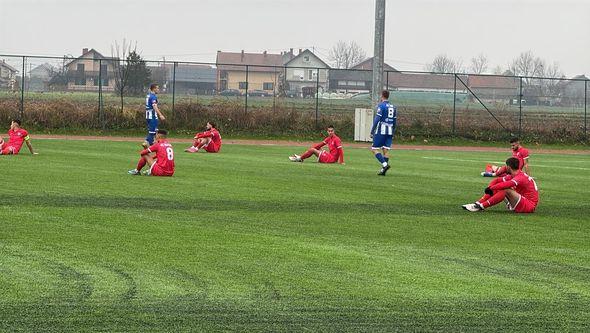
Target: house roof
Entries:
(97, 55)
(492, 82)
(368, 64)
(424, 81)
(190, 72)
(353, 75)
(237, 61)
(308, 52)
(5, 65)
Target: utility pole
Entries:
(379, 50)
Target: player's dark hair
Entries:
(330, 126)
(514, 139)
(16, 121)
(162, 132)
(513, 163)
(212, 124)
(385, 94)
(153, 86)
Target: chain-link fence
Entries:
(106, 94)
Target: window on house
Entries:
(341, 83)
(267, 86)
(306, 58)
(310, 73)
(243, 85)
(80, 75)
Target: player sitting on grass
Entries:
(336, 154)
(17, 136)
(519, 152)
(518, 189)
(159, 157)
(210, 140)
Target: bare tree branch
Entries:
(346, 55)
(479, 64)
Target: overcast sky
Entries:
(416, 30)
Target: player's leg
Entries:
(486, 201)
(143, 160)
(7, 150)
(385, 153)
(152, 125)
(514, 200)
(307, 154)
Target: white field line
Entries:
(479, 161)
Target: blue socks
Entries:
(380, 158)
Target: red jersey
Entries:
(335, 146)
(164, 156)
(213, 134)
(522, 183)
(17, 137)
(521, 153)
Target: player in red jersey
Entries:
(17, 136)
(159, 157)
(210, 140)
(519, 152)
(336, 154)
(518, 189)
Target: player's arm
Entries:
(206, 134)
(157, 109)
(504, 185)
(152, 149)
(525, 166)
(28, 142)
(376, 120)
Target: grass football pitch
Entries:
(245, 240)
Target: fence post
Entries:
(317, 96)
(454, 101)
(585, 109)
(520, 108)
(100, 109)
(22, 91)
(173, 84)
(246, 107)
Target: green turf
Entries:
(247, 241)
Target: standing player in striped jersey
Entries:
(383, 130)
(152, 114)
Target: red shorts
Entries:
(523, 205)
(325, 157)
(212, 148)
(10, 150)
(155, 170)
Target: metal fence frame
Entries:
(248, 67)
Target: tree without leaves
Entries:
(443, 64)
(119, 55)
(346, 55)
(479, 64)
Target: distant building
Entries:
(358, 78)
(302, 73)
(40, 76)
(7, 76)
(573, 91)
(262, 71)
(83, 72)
(493, 87)
(189, 78)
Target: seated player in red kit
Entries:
(210, 140)
(17, 136)
(518, 189)
(335, 153)
(159, 157)
(519, 152)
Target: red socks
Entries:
(494, 199)
(142, 162)
(307, 154)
